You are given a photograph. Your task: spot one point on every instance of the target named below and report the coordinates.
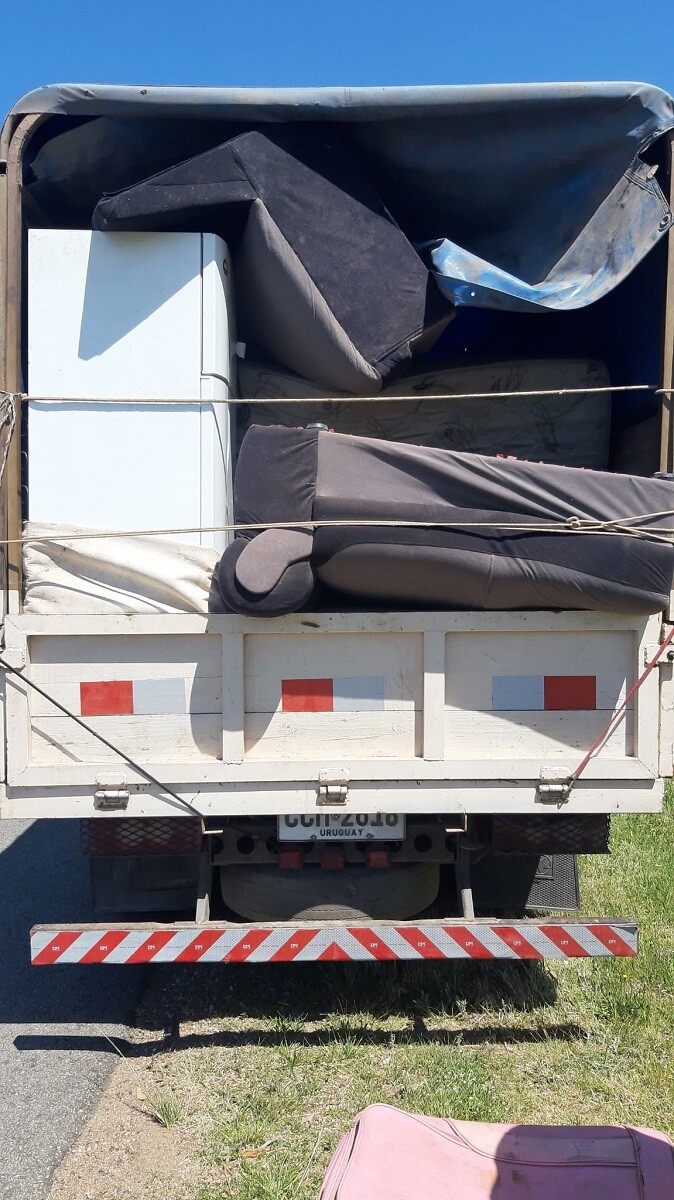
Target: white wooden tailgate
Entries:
(223, 703)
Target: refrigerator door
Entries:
(128, 317)
(114, 314)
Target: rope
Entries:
(8, 419)
(621, 526)
(380, 398)
(608, 730)
(110, 745)
(624, 526)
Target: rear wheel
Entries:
(265, 893)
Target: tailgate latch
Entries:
(650, 652)
(333, 786)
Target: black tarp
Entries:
(532, 197)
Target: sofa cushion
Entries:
(456, 530)
(327, 282)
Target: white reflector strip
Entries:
(158, 696)
(360, 693)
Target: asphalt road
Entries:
(54, 1060)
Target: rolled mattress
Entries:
(571, 430)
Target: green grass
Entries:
(274, 1062)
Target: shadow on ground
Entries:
(47, 882)
(279, 1005)
(44, 880)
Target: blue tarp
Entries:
(532, 197)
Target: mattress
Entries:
(571, 430)
(90, 575)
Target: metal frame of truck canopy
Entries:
(204, 941)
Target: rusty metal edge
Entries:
(627, 923)
(14, 140)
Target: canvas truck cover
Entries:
(527, 197)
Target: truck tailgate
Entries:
(403, 712)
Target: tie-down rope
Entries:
(379, 398)
(617, 715)
(622, 526)
(625, 526)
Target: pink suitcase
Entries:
(393, 1155)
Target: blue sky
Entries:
(351, 42)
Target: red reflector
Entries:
(114, 699)
(290, 860)
(570, 691)
(378, 858)
(306, 695)
(332, 860)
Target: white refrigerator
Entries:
(116, 319)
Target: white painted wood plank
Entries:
(165, 739)
(473, 659)
(232, 716)
(647, 703)
(321, 736)
(18, 728)
(666, 733)
(158, 654)
(59, 665)
(434, 696)
(3, 741)
(201, 695)
(467, 772)
(268, 800)
(17, 709)
(315, 623)
(532, 734)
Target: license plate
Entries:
(334, 827)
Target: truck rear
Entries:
(365, 776)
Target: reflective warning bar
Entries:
(328, 941)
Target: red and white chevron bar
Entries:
(332, 942)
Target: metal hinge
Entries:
(333, 786)
(553, 787)
(111, 798)
(111, 792)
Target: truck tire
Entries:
(265, 893)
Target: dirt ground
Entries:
(124, 1153)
